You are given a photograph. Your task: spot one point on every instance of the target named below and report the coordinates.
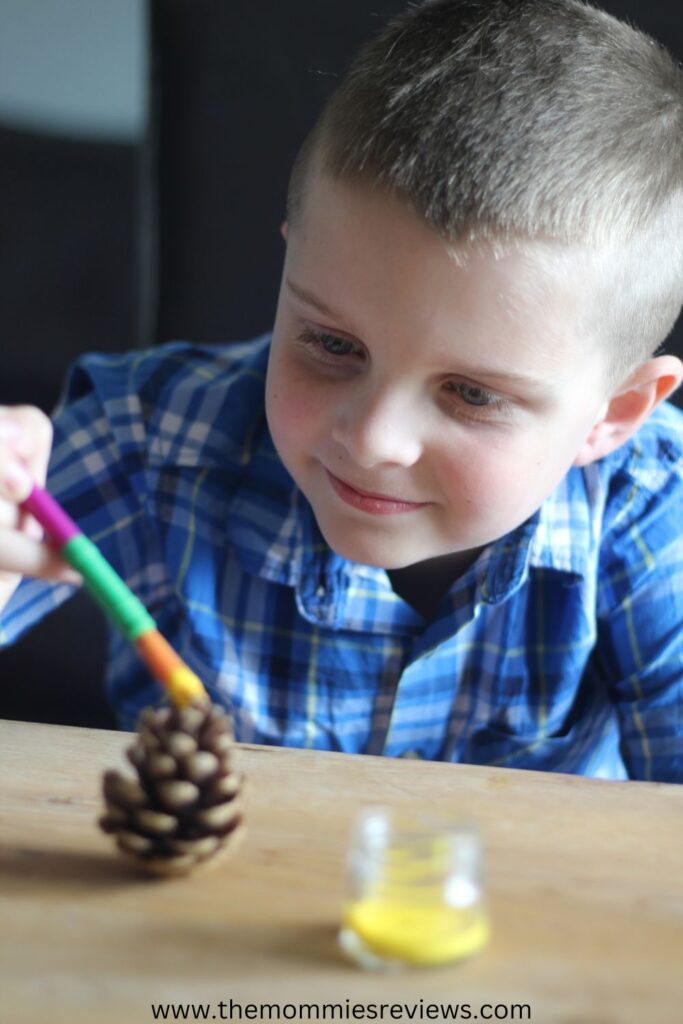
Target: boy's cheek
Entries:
(496, 482)
(292, 410)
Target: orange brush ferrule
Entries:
(183, 686)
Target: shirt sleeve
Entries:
(640, 621)
(97, 472)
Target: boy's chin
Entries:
(376, 555)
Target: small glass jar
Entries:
(414, 890)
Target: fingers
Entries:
(25, 442)
(15, 479)
(22, 555)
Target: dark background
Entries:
(111, 244)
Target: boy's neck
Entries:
(424, 584)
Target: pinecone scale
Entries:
(185, 805)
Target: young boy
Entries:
(438, 514)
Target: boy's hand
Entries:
(25, 444)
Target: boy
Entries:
(438, 513)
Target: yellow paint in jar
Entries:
(415, 934)
(415, 890)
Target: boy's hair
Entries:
(505, 121)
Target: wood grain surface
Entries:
(585, 883)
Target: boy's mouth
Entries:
(377, 504)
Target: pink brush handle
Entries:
(51, 516)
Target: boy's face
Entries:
(389, 374)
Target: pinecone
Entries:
(186, 806)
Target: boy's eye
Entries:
(473, 395)
(327, 344)
(335, 346)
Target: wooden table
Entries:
(585, 883)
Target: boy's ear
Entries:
(284, 229)
(630, 406)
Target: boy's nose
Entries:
(377, 429)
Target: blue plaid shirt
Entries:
(560, 648)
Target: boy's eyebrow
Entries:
(514, 378)
(309, 297)
(474, 371)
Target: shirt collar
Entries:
(559, 536)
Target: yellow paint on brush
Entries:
(184, 687)
(417, 933)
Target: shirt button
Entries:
(412, 755)
(320, 592)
